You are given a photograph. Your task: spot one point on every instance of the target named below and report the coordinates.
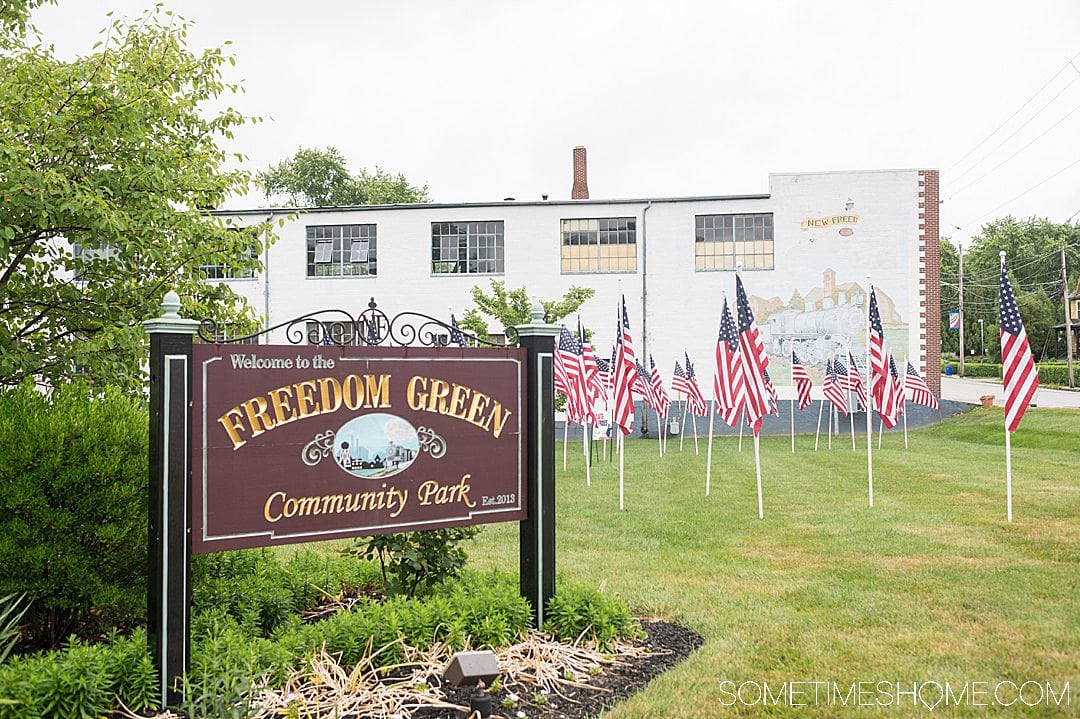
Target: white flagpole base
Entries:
(757, 461)
(1008, 474)
(708, 459)
(565, 434)
(585, 446)
(622, 454)
(817, 435)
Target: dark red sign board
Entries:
(298, 444)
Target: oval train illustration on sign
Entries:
(375, 446)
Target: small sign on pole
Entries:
(954, 320)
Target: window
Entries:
(229, 333)
(84, 255)
(607, 244)
(467, 248)
(723, 241)
(325, 333)
(341, 250)
(213, 271)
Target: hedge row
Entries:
(1049, 374)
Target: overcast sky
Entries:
(485, 100)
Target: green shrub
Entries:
(261, 593)
(80, 681)
(73, 471)
(10, 614)
(486, 609)
(580, 613)
(413, 562)
(1054, 374)
(982, 369)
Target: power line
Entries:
(1017, 112)
(997, 166)
(1014, 199)
(1017, 130)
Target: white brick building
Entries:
(806, 247)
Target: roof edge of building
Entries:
(513, 203)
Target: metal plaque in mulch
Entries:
(665, 645)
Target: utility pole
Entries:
(960, 249)
(1068, 319)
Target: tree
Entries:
(321, 178)
(514, 307)
(108, 163)
(1033, 258)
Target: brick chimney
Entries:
(580, 190)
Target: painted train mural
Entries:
(827, 321)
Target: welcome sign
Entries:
(298, 444)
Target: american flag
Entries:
(603, 368)
(456, 336)
(624, 369)
(802, 380)
(595, 389)
(898, 386)
(855, 383)
(917, 389)
(774, 400)
(697, 400)
(888, 404)
(643, 386)
(833, 388)
(729, 387)
(1017, 365)
(570, 353)
(878, 362)
(754, 360)
(678, 380)
(658, 388)
(567, 371)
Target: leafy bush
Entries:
(10, 614)
(580, 613)
(486, 609)
(261, 593)
(73, 470)
(414, 562)
(1054, 374)
(80, 681)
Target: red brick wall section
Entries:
(580, 190)
(930, 279)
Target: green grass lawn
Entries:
(930, 585)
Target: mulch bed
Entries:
(668, 644)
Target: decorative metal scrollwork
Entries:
(372, 328)
(430, 442)
(318, 449)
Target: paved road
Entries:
(969, 390)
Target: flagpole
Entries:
(682, 433)
(792, 403)
(832, 414)
(585, 446)
(565, 433)
(708, 459)
(1008, 472)
(757, 462)
(880, 431)
(903, 400)
(817, 435)
(660, 431)
(740, 431)
(851, 405)
(694, 421)
(1008, 438)
(622, 457)
(869, 401)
